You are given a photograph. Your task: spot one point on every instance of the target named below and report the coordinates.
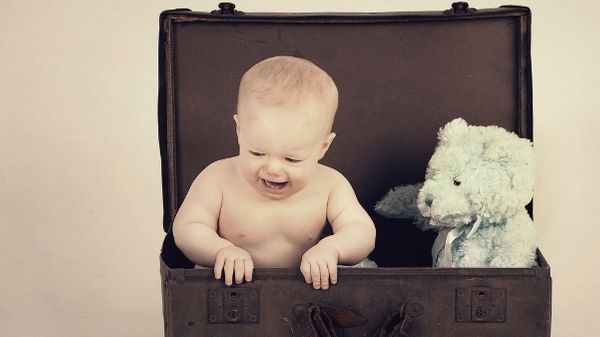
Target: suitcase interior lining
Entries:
(399, 82)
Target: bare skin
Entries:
(267, 206)
(273, 233)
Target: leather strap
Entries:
(319, 320)
(396, 324)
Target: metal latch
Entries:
(480, 305)
(233, 305)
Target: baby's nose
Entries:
(273, 167)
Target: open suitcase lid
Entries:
(401, 76)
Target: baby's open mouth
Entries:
(273, 185)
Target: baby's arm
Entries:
(352, 240)
(195, 230)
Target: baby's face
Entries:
(279, 150)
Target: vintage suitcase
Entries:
(401, 76)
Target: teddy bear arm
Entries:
(513, 259)
(517, 246)
(400, 202)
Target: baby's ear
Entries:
(237, 124)
(326, 144)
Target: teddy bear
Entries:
(478, 183)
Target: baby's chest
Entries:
(254, 222)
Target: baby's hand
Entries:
(319, 264)
(235, 262)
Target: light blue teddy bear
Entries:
(477, 184)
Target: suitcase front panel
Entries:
(439, 302)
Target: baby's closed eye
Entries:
(292, 160)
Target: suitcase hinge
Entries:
(226, 8)
(459, 8)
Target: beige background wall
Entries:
(80, 199)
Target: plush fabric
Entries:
(478, 182)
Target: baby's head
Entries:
(285, 111)
(295, 86)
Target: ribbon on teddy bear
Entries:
(442, 247)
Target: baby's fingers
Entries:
(240, 270)
(315, 275)
(228, 269)
(324, 271)
(248, 267)
(305, 269)
(332, 266)
(218, 268)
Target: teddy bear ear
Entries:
(453, 129)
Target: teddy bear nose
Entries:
(428, 201)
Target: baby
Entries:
(267, 206)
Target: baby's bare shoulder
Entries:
(340, 189)
(220, 168)
(214, 176)
(331, 176)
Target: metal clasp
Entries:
(233, 305)
(480, 305)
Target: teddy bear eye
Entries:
(456, 182)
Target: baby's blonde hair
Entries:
(281, 80)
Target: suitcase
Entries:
(401, 76)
